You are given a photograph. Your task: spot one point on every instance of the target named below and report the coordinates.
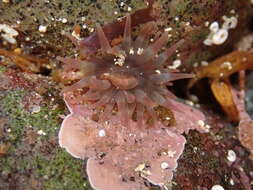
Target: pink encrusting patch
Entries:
(121, 150)
(82, 137)
(126, 166)
(187, 118)
(125, 155)
(102, 176)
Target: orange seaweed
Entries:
(222, 93)
(27, 63)
(219, 72)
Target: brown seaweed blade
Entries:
(219, 72)
(223, 94)
(27, 63)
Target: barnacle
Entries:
(130, 79)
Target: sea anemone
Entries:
(129, 79)
(117, 93)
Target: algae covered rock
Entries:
(187, 19)
(32, 109)
(211, 27)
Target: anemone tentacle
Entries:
(129, 79)
(104, 43)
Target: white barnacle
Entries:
(207, 23)
(85, 26)
(101, 133)
(220, 37)
(64, 20)
(217, 35)
(229, 23)
(131, 51)
(214, 27)
(227, 65)
(8, 33)
(42, 28)
(140, 51)
(189, 102)
(158, 71)
(175, 64)
(231, 181)
(231, 156)
(41, 132)
(204, 63)
(217, 187)
(208, 42)
(171, 153)
(121, 4)
(129, 9)
(168, 29)
(164, 165)
(120, 60)
(201, 123)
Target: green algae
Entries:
(50, 166)
(2, 69)
(12, 107)
(62, 172)
(47, 119)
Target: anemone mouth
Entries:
(134, 82)
(121, 81)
